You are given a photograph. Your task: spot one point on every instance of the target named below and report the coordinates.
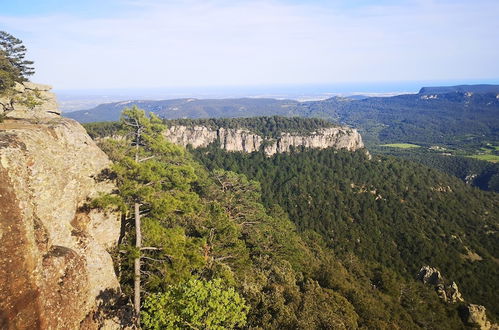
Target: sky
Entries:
(171, 43)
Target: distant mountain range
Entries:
(449, 116)
(192, 108)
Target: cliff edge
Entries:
(55, 271)
(244, 140)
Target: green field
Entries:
(487, 157)
(401, 145)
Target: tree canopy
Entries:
(211, 234)
(13, 50)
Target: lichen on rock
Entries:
(54, 260)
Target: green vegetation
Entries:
(263, 126)
(195, 304)
(103, 129)
(347, 260)
(394, 213)
(453, 120)
(13, 67)
(488, 153)
(475, 172)
(487, 157)
(400, 145)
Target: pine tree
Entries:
(154, 180)
(13, 49)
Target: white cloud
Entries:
(202, 43)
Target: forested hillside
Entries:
(475, 172)
(320, 240)
(191, 108)
(395, 213)
(456, 120)
(452, 117)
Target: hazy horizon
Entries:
(83, 99)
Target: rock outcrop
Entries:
(472, 315)
(246, 141)
(55, 271)
(31, 101)
(447, 292)
(475, 316)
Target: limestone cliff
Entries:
(247, 141)
(55, 270)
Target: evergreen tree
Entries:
(196, 304)
(153, 179)
(14, 51)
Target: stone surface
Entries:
(30, 100)
(246, 141)
(477, 318)
(430, 275)
(447, 292)
(53, 259)
(453, 294)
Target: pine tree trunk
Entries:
(136, 262)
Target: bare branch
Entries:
(149, 258)
(147, 158)
(150, 248)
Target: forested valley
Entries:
(312, 239)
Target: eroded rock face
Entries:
(447, 292)
(246, 141)
(197, 136)
(53, 259)
(29, 100)
(476, 317)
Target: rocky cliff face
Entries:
(55, 271)
(246, 141)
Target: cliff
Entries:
(55, 271)
(244, 140)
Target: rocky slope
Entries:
(55, 271)
(246, 141)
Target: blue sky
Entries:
(153, 43)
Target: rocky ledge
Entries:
(246, 141)
(55, 269)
